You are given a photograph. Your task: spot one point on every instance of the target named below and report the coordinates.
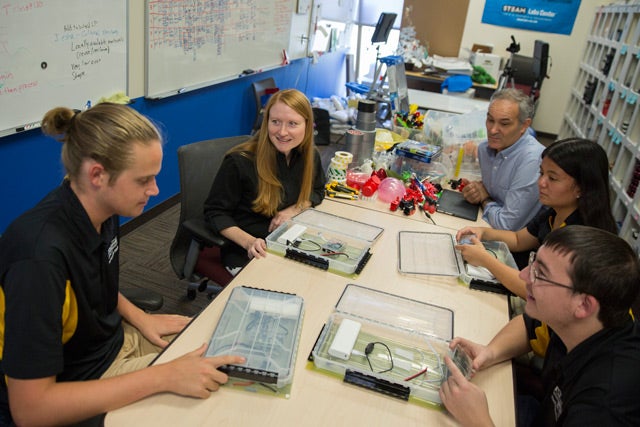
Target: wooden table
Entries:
(317, 398)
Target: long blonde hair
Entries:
(105, 133)
(270, 189)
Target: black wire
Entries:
(428, 215)
(297, 244)
(369, 349)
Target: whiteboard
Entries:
(196, 43)
(58, 53)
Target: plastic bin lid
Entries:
(348, 227)
(395, 311)
(428, 253)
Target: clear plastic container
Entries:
(339, 245)
(400, 346)
(416, 158)
(263, 326)
(461, 135)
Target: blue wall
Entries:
(30, 162)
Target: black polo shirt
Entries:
(541, 224)
(58, 293)
(594, 384)
(235, 187)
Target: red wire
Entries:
(424, 371)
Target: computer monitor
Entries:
(383, 27)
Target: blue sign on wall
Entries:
(548, 16)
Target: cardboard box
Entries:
(488, 61)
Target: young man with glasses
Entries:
(581, 283)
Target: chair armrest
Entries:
(145, 299)
(202, 232)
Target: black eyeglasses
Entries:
(533, 274)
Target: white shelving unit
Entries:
(604, 106)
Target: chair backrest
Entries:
(198, 164)
(260, 89)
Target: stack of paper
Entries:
(452, 65)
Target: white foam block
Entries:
(295, 231)
(345, 339)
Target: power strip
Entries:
(290, 236)
(345, 339)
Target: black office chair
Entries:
(262, 89)
(198, 163)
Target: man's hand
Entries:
(465, 401)
(155, 326)
(481, 355)
(197, 376)
(474, 192)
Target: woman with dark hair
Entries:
(267, 180)
(574, 189)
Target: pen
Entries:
(181, 90)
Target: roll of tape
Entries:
(338, 175)
(342, 157)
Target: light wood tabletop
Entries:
(440, 219)
(317, 398)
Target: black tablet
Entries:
(453, 203)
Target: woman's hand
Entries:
(469, 232)
(283, 216)
(257, 248)
(475, 253)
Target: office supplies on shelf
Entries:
(452, 65)
(264, 327)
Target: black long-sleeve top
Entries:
(235, 188)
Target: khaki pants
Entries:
(136, 353)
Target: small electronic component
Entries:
(466, 239)
(333, 246)
(462, 361)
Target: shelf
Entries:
(604, 105)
